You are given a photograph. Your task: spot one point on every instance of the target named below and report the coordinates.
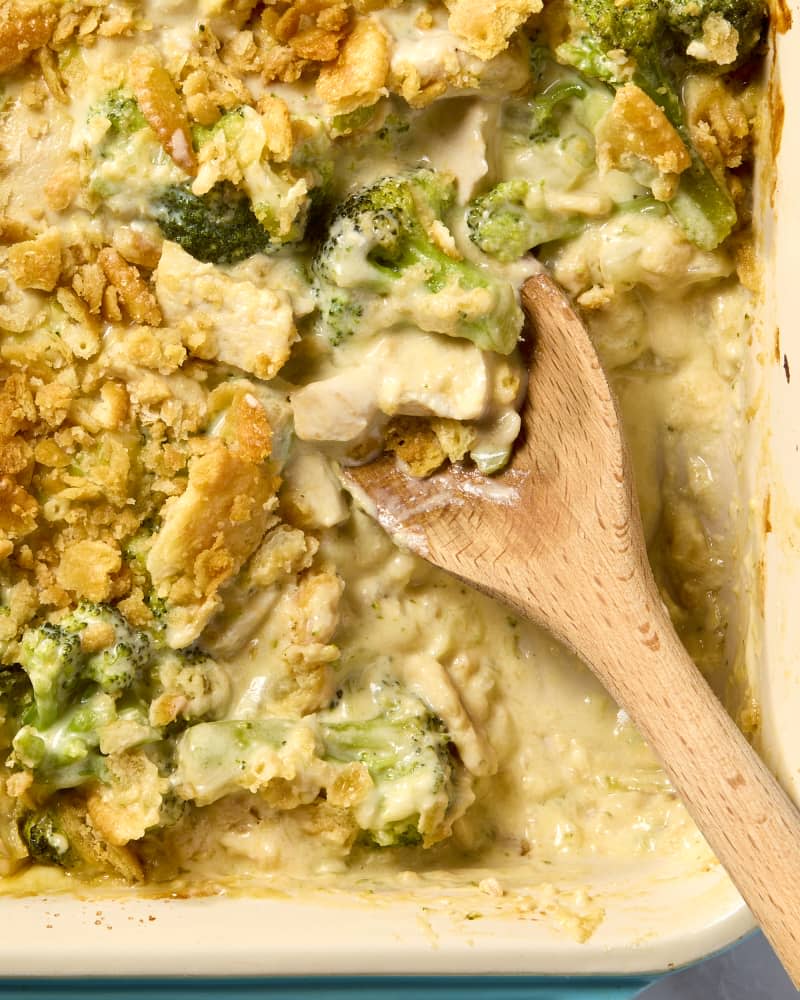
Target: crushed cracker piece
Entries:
(162, 107)
(62, 186)
(486, 26)
(416, 445)
(25, 25)
(86, 568)
(36, 263)
(635, 128)
(136, 297)
(278, 127)
(357, 79)
(206, 535)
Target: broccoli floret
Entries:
(45, 838)
(382, 265)
(653, 35)
(746, 17)
(275, 195)
(52, 659)
(402, 744)
(120, 664)
(75, 691)
(17, 705)
(406, 750)
(65, 754)
(218, 227)
(512, 218)
(122, 112)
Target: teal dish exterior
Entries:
(344, 988)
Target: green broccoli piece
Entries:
(406, 750)
(44, 836)
(121, 664)
(122, 112)
(381, 265)
(653, 36)
(17, 705)
(65, 754)
(218, 227)
(52, 659)
(746, 17)
(511, 219)
(402, 744)
(75, 692)
(536, 118)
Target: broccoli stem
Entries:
(702, 206)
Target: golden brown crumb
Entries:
(25, 25)
(13, 231)
(162, 106)
(358, 77)
(206, 535)
(97, 636)
(86, 568)
(62, 186)
(455, 437)
(487, 25)
(36, 263)
(139, 302)
(48, 63)
(635, 128)
(415, 443)
(278, 126)
(137, 247)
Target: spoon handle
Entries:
(589, 581)
(744, 814)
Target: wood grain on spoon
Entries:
(558, 537)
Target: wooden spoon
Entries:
(557, 536)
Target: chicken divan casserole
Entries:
(243, 243)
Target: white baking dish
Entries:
(653, 917)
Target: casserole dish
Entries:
(586, 918)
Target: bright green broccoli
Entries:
(406, 750)
(513, 218)
(646, 40)
(120, 115)
(386, 263)
(122, 663)
(65, 754)
(52, 659)
(219, 227)
(402, 744)
(75, 691)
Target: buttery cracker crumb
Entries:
(97, 636)
(62, 186)
(86, 568)
(486, 26)
(414, 442)
(36, 263)
(357, 79)
(278, 126)
(25, 25)
(162, 106)
(136, 297)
